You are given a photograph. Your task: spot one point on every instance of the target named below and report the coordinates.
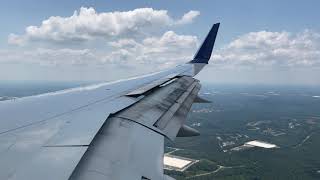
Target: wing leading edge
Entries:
(106, 131)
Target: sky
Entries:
(259, 42)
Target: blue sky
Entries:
(282, 21)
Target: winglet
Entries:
(204, 52)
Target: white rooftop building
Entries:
(260, 144)
(177, 163)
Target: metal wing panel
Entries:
(24, 145)
(172, 126)
(51, 163)
(64, 119)
(122, 150)
(152, 85)
(35, 109)
(130, 144)
(60, 136)
(82, 126)
(156, 103)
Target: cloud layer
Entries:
(272, 49)
(87, 24)
(169, 49)
(49, 57)
(149, 39)
(261, 49)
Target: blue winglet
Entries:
(204, 52)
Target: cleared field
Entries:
(177, 163)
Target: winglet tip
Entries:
(204, 52)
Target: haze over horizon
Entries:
(265, 42)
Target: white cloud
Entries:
(169, 49)
(49, 57)
(188, 17)
(171, 39)
(131, 47)
(87, 24)
(252, 50)
(271, 49)
(15, 39)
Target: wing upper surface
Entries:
(48, 130)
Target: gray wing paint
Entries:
(111, 130)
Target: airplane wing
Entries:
(112, 130)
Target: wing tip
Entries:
(204, 52)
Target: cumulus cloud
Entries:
(87, 24)
(169, 49)
(271, 49)
(261, 49)
(126, 38)
(188, 17)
